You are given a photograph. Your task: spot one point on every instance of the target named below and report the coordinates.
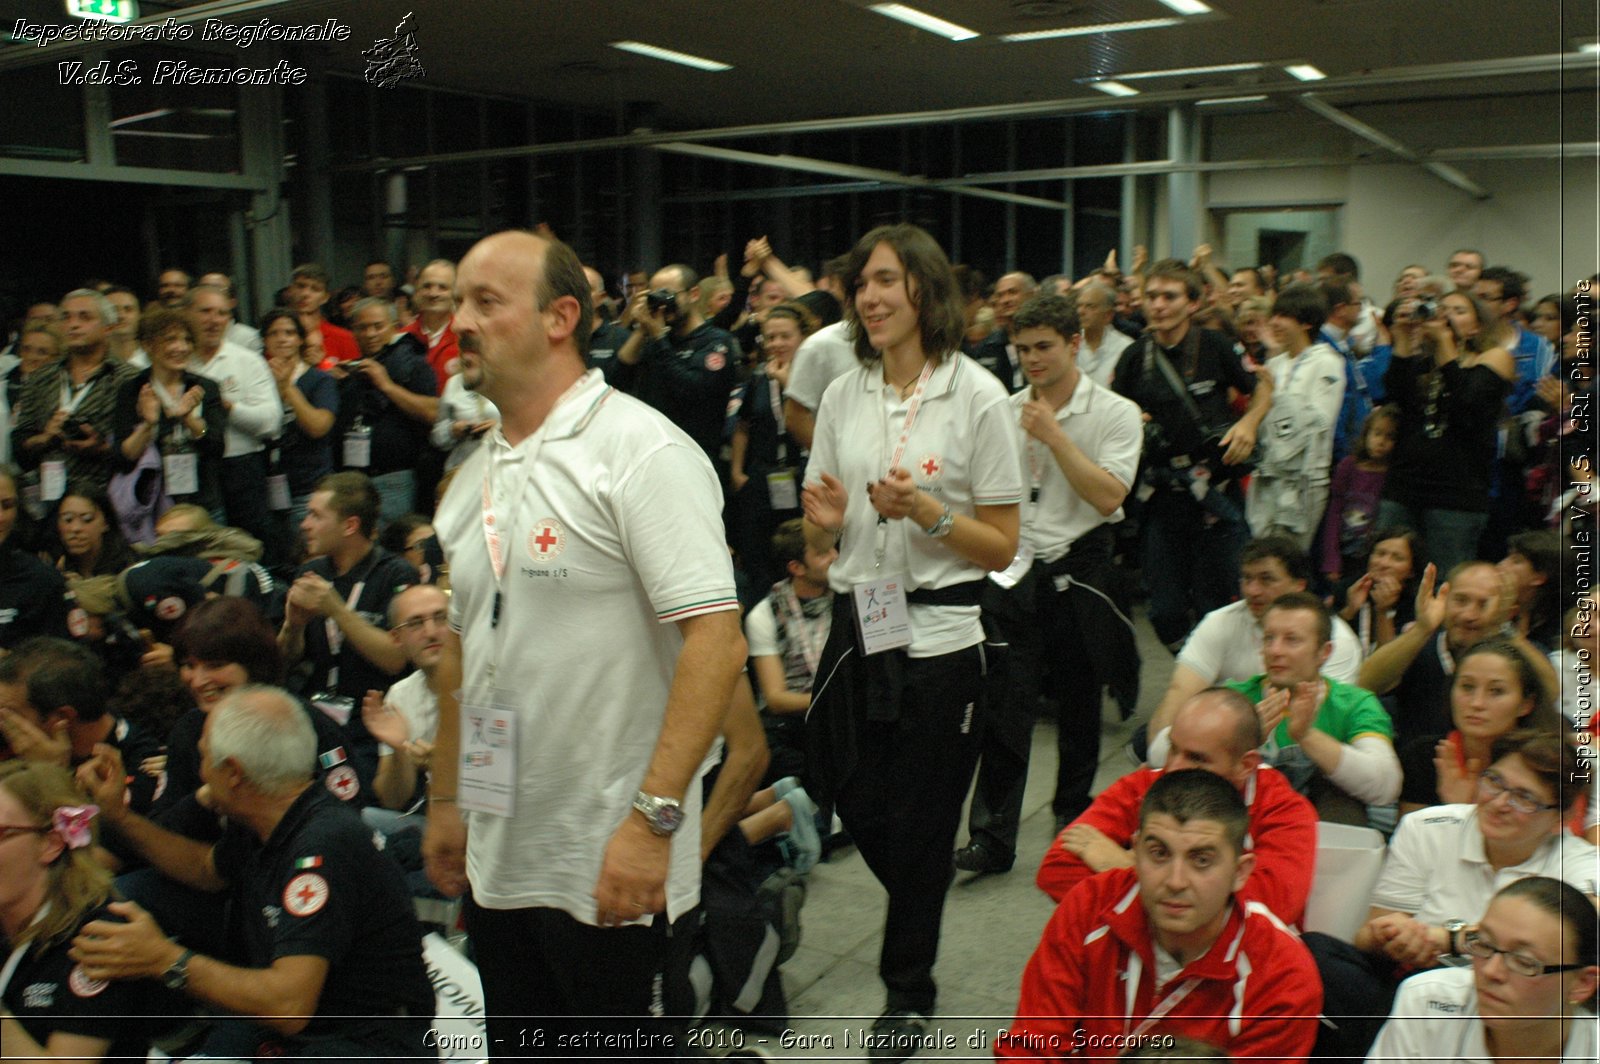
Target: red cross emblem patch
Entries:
(546, 540)
(930, 467)
(83, 986)
(342, 782)
(305, 895)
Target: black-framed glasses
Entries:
(1492, 785)
(1524, 964)
(8, 830)
(416, 623)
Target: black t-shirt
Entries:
(604, 343)
(49, 992)
(770, 447)
(823, 305)
(689, 379)
(1420, 779)
(32, 598)
(1445, 451)
(397, 437)
(993, 355)
(1421, 702)
(1209, 369)
(136, 745)
(320, 887)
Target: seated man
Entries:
(53, 696)
(332, 950)
(405, 719)
(1470, 606)
(1164, 947)
(1226, 644)
(1216, 730)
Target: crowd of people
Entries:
(612, 612)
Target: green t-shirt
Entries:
(1347, 713)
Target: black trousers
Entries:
(1358, 990)
(556, 987)
(901, 798)
(244, 499)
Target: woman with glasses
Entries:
(1444, 865)
(1528, 995)
(50, 886)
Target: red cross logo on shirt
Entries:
(547, 539)
(931, 467)
(305, 894)
(342, 781)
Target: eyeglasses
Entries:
(1492, 785)
(8, 830)
(416, 623)
(1524, 964)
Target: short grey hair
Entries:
(1103, 291)
(108, 313)
(202, 289)
(374, 301)
(267, 734)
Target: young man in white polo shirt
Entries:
(915, 475)
(1056, 604)
(584, 516)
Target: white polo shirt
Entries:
(1226, 645)
(246, 381)
(1100, 362)
(823, 357)
(1435, 1020)
(610, 517)
(412, 699)
(963, 451)
(1108, 429)
(1437, 871)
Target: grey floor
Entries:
(991, 925)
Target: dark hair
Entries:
(1542, 548)
(1389, 411)
(1513, 285)
(115, 554)
(1254, 273)
(789, 543)
(1341, 264)
(352, 495)
(1176, 270)
(396, 532)
(1566, 309)
(838, 267)
(1304, 600)
(1549, 756)
(1461, 567)
(58, 672)
(798, 313)
(563, 276)
(1284, 548)
(378, 262)
(1569, 905)
(277, 314)
(1542, 717)
(311, 271)
(1302, 303)
(230, 630)
(930, 286)
(1195, 794)
(153, 698)
(1413, 540)
(1047, 312)
(158, 321)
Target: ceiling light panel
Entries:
(1089, 31)
(924, 21)
(652, 51)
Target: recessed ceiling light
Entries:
(1226, 100)
(1114, 88)
(924, 21)
(667, 54)
(1178, 72)
(1188, 7)
(1305, 72)
(1590, 45)
(1087, 31)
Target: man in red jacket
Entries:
(1217, 730)
(1167, 947)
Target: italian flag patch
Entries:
(309, 862)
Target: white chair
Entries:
(1348, 862)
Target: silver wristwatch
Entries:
(941, 528)
(664, 815)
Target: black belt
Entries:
(969, 593)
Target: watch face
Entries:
(669, 817)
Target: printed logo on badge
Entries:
(546, 540)
(342, 782)
(78, 622)
(81, 985)
(305, 895)
(715, 361)
(171, 608)
(931, 466)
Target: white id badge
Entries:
(52, 479)
(782, 491)
(487, 780)
(278, 492)
(182, 473)
(358, 449)
(1008, 577)
(882, 621)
